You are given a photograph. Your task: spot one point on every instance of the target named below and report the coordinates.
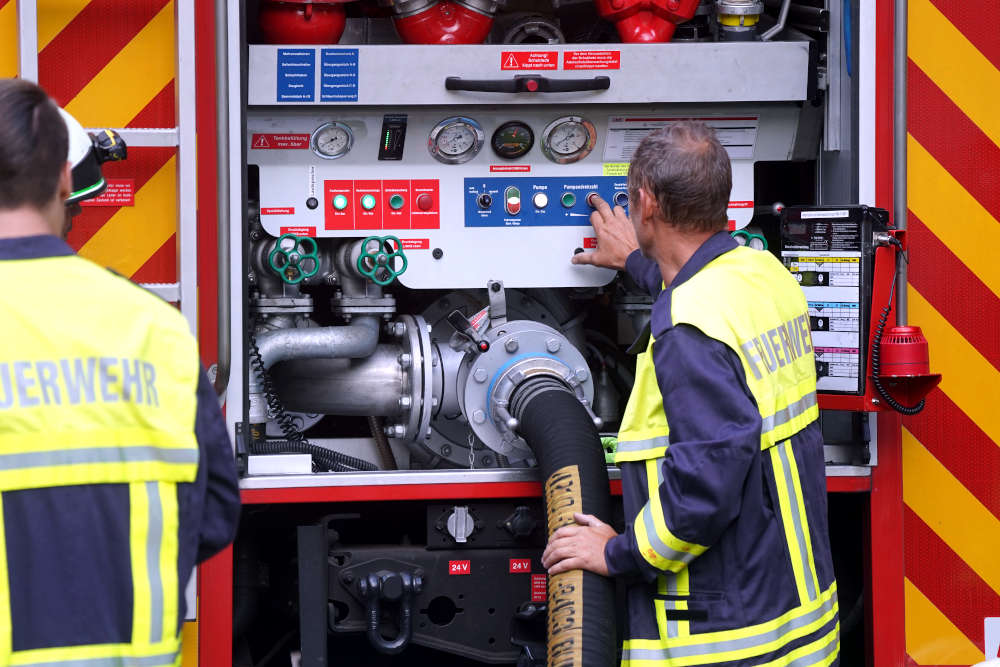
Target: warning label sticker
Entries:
(416, 244)
(616, 169)
(278, 210)
(539, 592)
(529, 60)
(120, 192)
(459, 567)
(509, 168)
(299, 231)
(279, 141)
(592, 59)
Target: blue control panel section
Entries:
(528, 201)
(338, 75)
(296, 75)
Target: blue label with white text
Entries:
(338, 75)
(296, 75)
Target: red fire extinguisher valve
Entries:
(445, 22)
(646, 20)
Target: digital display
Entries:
(393, 137)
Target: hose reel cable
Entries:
(294, 440)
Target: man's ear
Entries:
(65, 182)
(648, 207)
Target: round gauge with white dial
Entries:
(568, 139)
(332, 140)
(456, 140)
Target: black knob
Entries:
(437, 253)
(484, 200)
(312, 203)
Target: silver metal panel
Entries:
(187, 166)
(167, 291)
(832, 131)
(27, 39)
(417, 477)
(695, 72)
(848, 471)
(280, 464)
(145, 138)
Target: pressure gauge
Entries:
(568, 139)
(332, 140)
(456, 140)
(513, 139)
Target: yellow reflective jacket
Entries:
(98, 385)
(726, 535)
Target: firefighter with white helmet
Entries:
(116, 470)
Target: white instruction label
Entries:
(832, 285)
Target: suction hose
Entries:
(581, 627)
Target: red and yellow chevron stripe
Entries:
(111, 63)
(951, 452)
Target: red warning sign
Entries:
(120, 192)
(299, 231)
(539, 589)
(592, 60)
(279, 141)
(531, 60)
(416, 244)
(509, 168)
(520, 565)
(459, 567)
(741, 204)
(278, 210)
(590, 242)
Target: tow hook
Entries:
(392, 587)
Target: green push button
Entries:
(368, 202)
(568, 199)
(396, 202)
(340, 202)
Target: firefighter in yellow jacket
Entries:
(116, 472)
(726, 550)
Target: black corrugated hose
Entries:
(581, 624)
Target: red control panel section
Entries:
(391, 205)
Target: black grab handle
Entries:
(527, 84)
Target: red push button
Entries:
(425, 202)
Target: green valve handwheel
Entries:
(289, 255)
(377, 264)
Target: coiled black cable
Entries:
(877, 354)
(294, 441)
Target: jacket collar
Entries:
(718, 244)
(34, 247)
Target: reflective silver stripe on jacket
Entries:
(788, 413)
(642, 445)
(65, 457)
(668, 653)
(165, 660)
(784, 451)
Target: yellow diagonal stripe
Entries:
(133, 234)
(132, 78)
(954, 215)
(53, 16)
(931, 638)
(971, 381)
(956, 66)
(8, 40)
(951, 511)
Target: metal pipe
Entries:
(899, 205)
(367, 387)
(780, 25)
(225, 322)
(352, 341)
